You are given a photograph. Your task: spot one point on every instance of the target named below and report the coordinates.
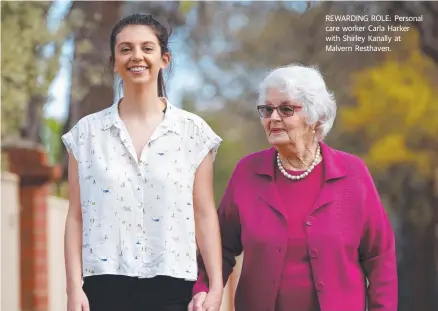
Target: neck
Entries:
(297, 156)
(141, 102)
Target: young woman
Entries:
(140, 181)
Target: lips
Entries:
(276, 130)
(138, 69)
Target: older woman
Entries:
(307, 217)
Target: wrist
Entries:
(74, 286)
(215, 287)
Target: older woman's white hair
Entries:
(305, 86)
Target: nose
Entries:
(275, 116)
(136, 54)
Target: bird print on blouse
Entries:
(138, 217)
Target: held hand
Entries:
(213, 300)
(77, 301)
(197, 302)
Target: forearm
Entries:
(378, 249)
(383, 287)
(73, 252)
(209, 242)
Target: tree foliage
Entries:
(51, 138)
(397, 112)
(29, 63)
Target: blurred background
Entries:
(54, 71)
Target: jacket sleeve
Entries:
(377, 251)
(230, 228)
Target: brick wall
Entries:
(35, 176)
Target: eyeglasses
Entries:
(265, 111)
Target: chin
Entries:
(278, 141)
(140, 81)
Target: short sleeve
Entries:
(71, 140)
(206, 140)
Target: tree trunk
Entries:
(91, 87)
(31, 130)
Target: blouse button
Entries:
(309, 221)
(319, 286)
(314, 253)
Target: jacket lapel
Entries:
(334, 171)
(270, 195)
(264, 168)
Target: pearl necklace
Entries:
(306, 173)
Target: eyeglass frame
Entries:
(293, 107)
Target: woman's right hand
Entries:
(77, 301)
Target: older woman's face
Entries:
(282, 119)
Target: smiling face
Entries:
(288, 126)
(138, 57)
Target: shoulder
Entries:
(354, 166)
(248, 164)
(352, 162)
(98, 117)
(195, 127)
(93, 120)
(190, 119)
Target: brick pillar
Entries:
(35, 175)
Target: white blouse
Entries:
(138, 217)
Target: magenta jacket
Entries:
(349, 236)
